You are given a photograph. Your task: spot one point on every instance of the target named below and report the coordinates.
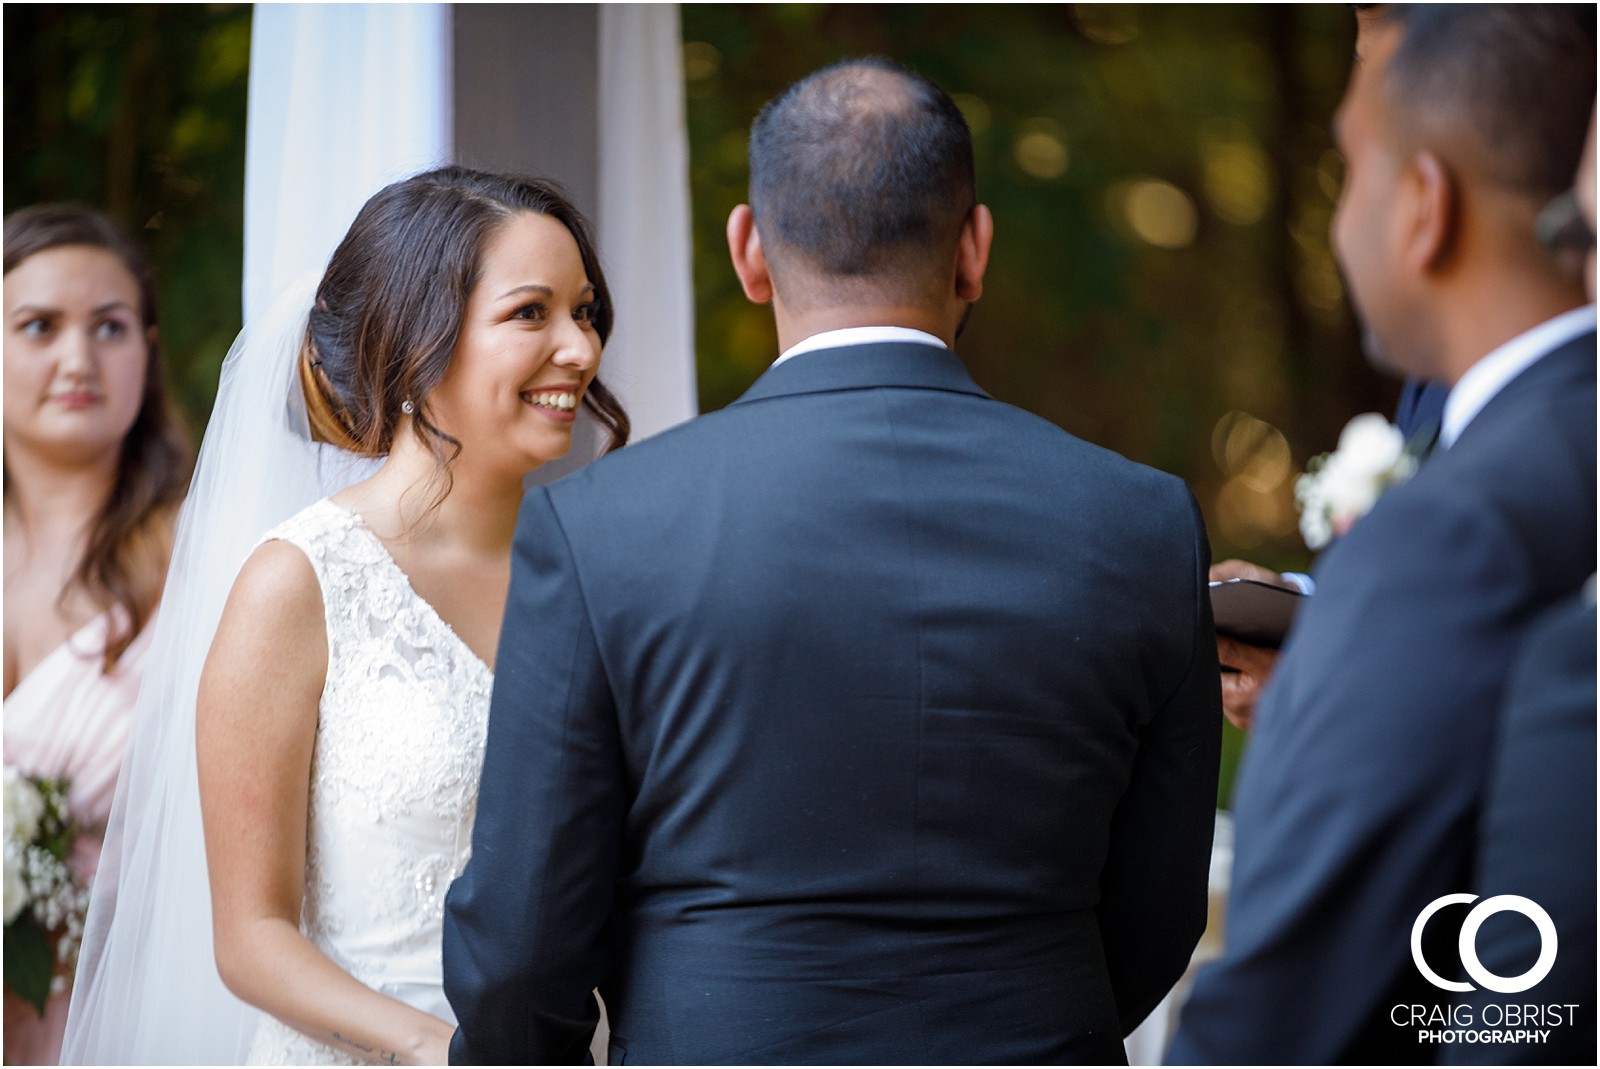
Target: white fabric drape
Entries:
(644, 214)
(147, 989)
(344, 99)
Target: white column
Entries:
(345, 98)
(643, 216)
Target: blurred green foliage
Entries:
(139, 110)
(1161, 177)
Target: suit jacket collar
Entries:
(1566, 367)
(865, 367)
(1490, 375)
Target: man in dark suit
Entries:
(1357, 802)
(1536, 837)
(866, 720)
(1537, 841)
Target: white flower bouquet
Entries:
(1340, 487)
(44, 905)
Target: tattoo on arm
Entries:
(387, 1057)
(347, 1041)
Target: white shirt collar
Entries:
(1491, 374)
(833, 339)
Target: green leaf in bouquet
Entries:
(29, 963)
(56, 829)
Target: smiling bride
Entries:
(341, 709)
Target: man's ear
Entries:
(972, 253)
(749, 260)
(1431, 230)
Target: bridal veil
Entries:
(147, 989)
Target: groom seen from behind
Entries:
(867, 720)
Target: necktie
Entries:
(1422, 442)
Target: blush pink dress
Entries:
(68, 718)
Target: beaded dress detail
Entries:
(394, 776)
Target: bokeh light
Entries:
(975, 110)
(1237, 180)
(1041, 148)
(700, 60)
(1255, 502)
(1158, 212)
(1107, 24)
(1330, 174)
(1249, 517)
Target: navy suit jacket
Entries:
(865, 720)
(1359, 796)
(1537, 839)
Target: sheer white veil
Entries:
(147, 990)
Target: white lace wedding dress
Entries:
(394, 776)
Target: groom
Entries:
(866, 720)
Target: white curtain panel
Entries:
(344, 99)
(643, 214)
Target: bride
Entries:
(340, 714)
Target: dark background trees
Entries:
(1161, 177)
(139, 110)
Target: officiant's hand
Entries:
(1222, 571)
(1245, 668)
(1245, 671)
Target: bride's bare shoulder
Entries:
(277, 579)
(272, 624)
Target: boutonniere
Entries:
(1340, 487)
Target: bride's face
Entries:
(527, 352)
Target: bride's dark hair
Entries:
(389, 309)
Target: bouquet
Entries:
(44, 905)
(1340, 487)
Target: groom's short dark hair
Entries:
(860, 167)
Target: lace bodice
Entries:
(394, 775)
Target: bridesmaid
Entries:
(96, 463)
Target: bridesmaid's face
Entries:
(75, 354)
(527, 352)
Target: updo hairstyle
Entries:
(389, 310)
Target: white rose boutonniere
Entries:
(1340, 487)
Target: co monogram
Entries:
(1469, 942)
